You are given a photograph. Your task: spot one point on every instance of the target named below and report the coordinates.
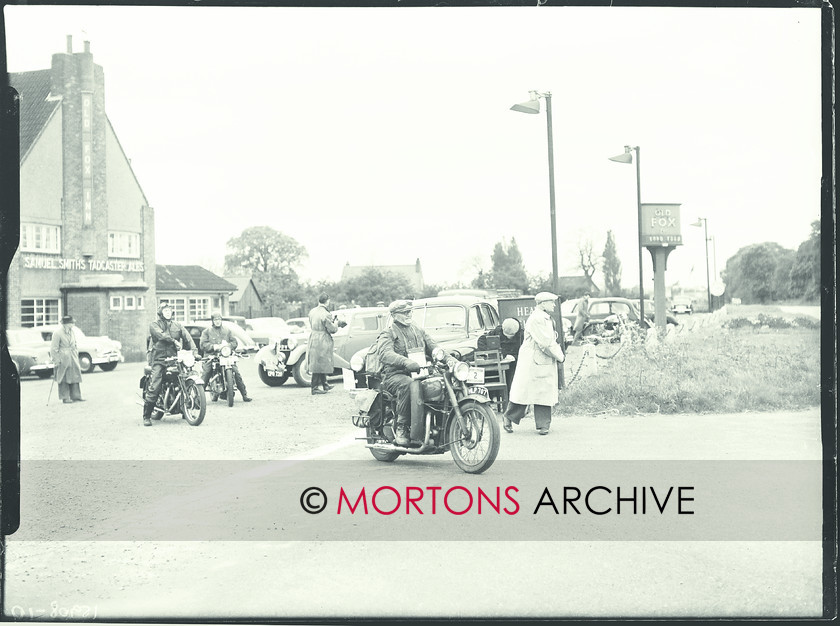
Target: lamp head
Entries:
(699, 222)
(532, 106)
(626, 157)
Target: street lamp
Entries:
(702, 221)
(627, 157)
(533, 106)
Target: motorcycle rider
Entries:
(396, 343)
(166, 337)
(212, 340)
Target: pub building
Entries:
(86, 230)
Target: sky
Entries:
(377, 136)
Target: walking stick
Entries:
(51, 388)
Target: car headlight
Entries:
(225, 351)
(357, 362)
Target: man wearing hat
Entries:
(211, 342)
(536, 380)
(319, 350)
(65, 354)
(398, 343)
(167, 337)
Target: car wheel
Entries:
(302, 376)
(45, 374)
(108, 367)
(85, 363)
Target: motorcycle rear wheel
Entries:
(229, 385)
(194, 405)
(385, 456)
(476, 450)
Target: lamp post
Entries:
(532, 106)
(627, 157)
(702, 221)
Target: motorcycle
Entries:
(221, 381)
(458, 415)
(181, 391)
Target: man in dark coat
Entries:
(211, 342)
(319, 351)
(396, 344)
(65, 354)
(167, 337)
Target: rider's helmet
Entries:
(216, 316)
(164, 306)
(401, 311)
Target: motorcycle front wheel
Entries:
(475, 450)
(194, 405)
(229, 385)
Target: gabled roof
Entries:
(190, 278)
(241, 283)
(36, 107)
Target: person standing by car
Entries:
(319, 350)
(65, 354)
(582, 316)
(211, 342)
(401, 348)
(510, 336)
(166, 337)
(537, 378)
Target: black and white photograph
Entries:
(416, 312)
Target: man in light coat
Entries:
(536, 380)
(65, 354)
(319, 351)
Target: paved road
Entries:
(360, 577)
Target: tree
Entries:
(611, 267)
(805, 273)
(270, 258)
(508, 269)
(372, 286)
(587, 260)
(752, 272)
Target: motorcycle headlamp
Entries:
(357, 362)
(225, 351)
(187, 358)
(438, 354)
(460, 370)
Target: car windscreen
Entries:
(19, 336)
(440, 321)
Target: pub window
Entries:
(141, 302)
(39, 312)
(123, 244)
(41, 238)
(129, 303)
(199, 308)
(116, 303)
(217, 303)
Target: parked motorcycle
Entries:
(221, 381)
(182, 389)
(458, 415)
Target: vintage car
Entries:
(263, 330)
(299, 325)
(359, 327)
(102, 351)
(602, 308)
(682, 304)
(29, 352)
(244, 342)
(236, 319)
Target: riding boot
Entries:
(245, 396)
(148, 407)
(401, 438)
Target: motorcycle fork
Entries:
(450, 390)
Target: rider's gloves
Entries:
(217, 347)
(413, 366)
(178, 344)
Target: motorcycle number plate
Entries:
(475, 376)
(481, 391)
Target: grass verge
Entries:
(711, 369)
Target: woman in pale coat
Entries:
(536, 380)
(65, 354)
